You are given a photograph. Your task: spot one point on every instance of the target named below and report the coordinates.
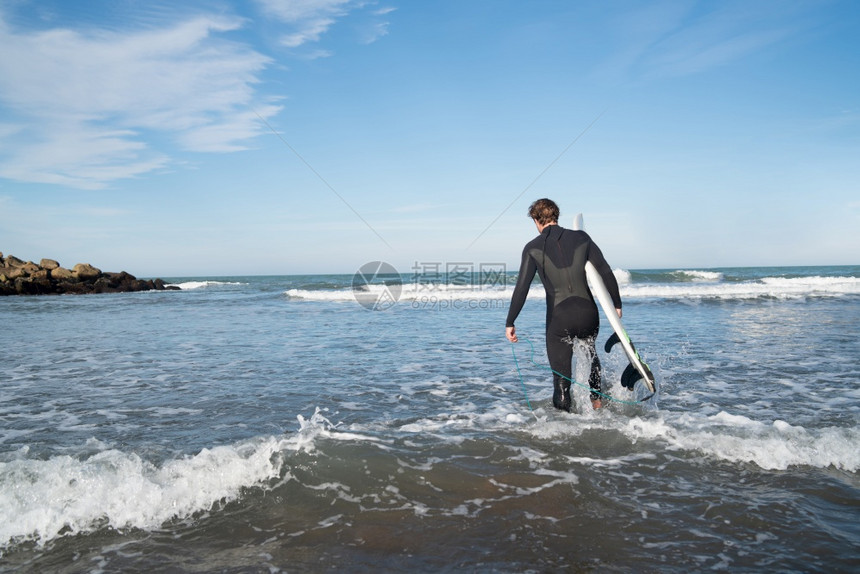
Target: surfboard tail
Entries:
(637, 368)
(632, 374)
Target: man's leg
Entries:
(595, 375)
(574, 318)
(560, 355)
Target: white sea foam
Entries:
(416, 291)
(411, 292)
(773, 287)
(333, 295)
(43, 499)
(320, 426)
(736, 438)
(775, 445)
(693, 275)
(702, 285)
(622, 276)
(188, 285)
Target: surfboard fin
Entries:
(612, 340)
(630, 376)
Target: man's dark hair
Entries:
(544, 211)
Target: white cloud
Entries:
(310, 19)
(310, 32)
(87, 106)
(373, 32)
(80, 102)
(314, 54)
(302, 10)
(230, 133)
(75, 154)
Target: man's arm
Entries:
(521, 291)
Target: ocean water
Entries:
(276, 424)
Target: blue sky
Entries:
(311, 136)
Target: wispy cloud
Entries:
(373, 31)
(673, 38)
(84, 107)
(78, 104)
(713, 39)
(303, 10)
(76, 154)
(377, 25)
(308, 20)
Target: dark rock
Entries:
(18, 277)
(12, 261)
(24, 287)
(103, 285)
(85, 271)
(15, 272)
(40, 275)
(74, 288)
(62, 274)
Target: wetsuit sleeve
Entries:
(605, 271)
(521, 290)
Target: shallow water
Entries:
(274, 424)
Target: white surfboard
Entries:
(637, 368)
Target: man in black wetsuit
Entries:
(558, 256)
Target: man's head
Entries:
(544, 211)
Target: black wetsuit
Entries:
(558, 255)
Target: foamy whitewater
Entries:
(277, 424)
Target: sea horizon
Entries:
(511, 269)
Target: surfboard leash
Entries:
(535, 363)
(522, 382)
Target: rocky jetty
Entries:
(19, 277)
